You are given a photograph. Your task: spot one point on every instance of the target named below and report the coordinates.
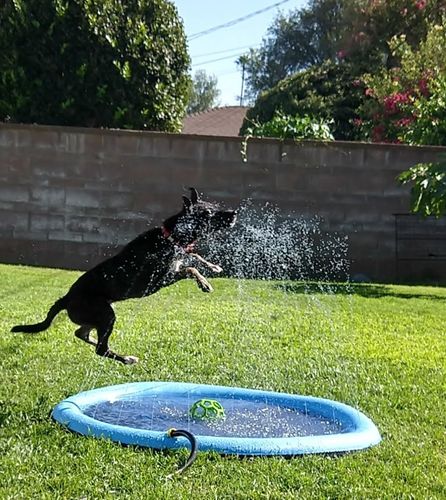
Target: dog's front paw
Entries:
(130, 360)
(216, 268)
(204, 285)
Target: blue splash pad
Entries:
(256, 423)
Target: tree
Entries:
(96, 63)
(369, 24)
(204, 92)
(294, 42)
(353, 30)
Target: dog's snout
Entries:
(234, 217)
(223, 219)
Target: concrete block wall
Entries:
(70, 196)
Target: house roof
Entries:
(225, 121)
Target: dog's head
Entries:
(198, 218)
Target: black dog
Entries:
(151, 261)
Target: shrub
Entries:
(429, 187)
(408, 104)
(292, 127)
(327, 92)
(283, 126)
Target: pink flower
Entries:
(341, 54)
(369, 92)
(390, 105)
(357, 122)
(420, 4)
(393, 102)
(357, 83)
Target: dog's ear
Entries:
(186, 203)
(194, 196)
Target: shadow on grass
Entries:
(371, 291)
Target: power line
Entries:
(218, 59)
(236, 21)
(225, 51)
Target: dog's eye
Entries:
(207, 213)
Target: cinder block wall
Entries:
(69, 196)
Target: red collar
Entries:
(166, 232)
(168, 235)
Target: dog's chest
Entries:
(133, 275)
(152, 276)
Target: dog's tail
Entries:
(55, 309)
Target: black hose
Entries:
(193, 445)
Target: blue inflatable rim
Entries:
(359, 431)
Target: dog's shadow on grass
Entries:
(371, 291)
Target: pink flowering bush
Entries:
(408, 103)
(427, 124)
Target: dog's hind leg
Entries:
(96, 313)
(83, 333)
(104, 328)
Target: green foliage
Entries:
(292, 127)
(295, 41)
(203, 93)
(352, 30)
(429, 187)
(354, 35)
(369, 24)
(282, 126)
(428, 112)
(328, 92)
(381, 349)
(408, 103)
(98, 63)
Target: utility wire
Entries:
(235, 21)
(218, 59)
(225, 51)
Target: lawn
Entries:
(379, 348)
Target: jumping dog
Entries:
(155, 259)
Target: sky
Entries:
(227, 44)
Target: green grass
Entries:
(379, 348)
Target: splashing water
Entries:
(267, 245)
(302, 260)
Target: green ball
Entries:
(207, 409)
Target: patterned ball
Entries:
(207, 409)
